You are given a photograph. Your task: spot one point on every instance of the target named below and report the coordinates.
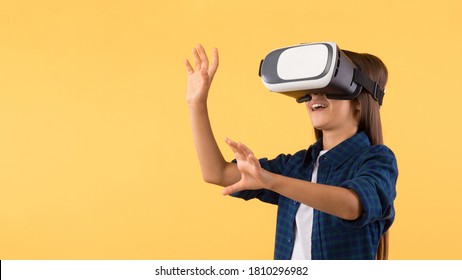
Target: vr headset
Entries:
(305, 69)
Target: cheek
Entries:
(343, 109)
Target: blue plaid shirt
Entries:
(370, 170)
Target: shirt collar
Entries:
(340, 153)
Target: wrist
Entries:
(196, 98)
(197, 104)
(271, 180)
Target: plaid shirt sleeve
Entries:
(375, 184)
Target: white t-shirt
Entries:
(304, 223)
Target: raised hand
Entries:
(200, 77)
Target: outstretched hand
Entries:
(253, 176)
(200, 77)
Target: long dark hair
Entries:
(369, 120)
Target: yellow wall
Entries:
(96, 154)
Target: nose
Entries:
(315, 96)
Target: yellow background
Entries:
(96, 153)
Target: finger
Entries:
(245, 149)
(197, 60)
(254, 161)
(231, 189)
(231, 144)
(235, 148)
(215, 62)
(241, 149)
(188, 67)
(203, 57)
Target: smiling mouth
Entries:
(317, 107)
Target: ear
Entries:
(356, 106)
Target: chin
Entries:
(318, 125)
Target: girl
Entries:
(335, 199)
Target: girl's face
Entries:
(332, 115)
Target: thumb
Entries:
(231, 189)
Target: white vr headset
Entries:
(299, 70)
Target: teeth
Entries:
(317, 106)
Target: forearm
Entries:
(341, 202)
(215, 169)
